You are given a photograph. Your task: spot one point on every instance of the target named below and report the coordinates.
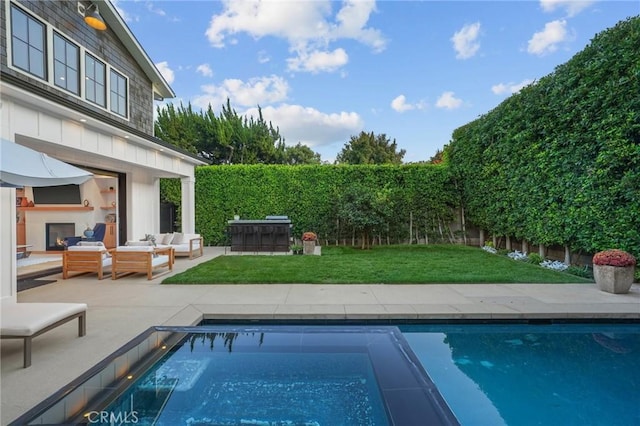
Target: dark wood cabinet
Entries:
(260, 235)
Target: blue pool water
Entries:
(439, 374)
(534, 374)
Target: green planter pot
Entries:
(613, 279)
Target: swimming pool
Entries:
(477, 374)
(554, 374)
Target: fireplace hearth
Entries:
(56, 233)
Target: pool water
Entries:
(203, 383)
(344, 374)
(557, 374)
(258, 375)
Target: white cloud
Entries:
(308, 27)
(151, 8)
(510, 88)
(205, 70)
(126, 17)
(547, 40)
(400, 104)
(309, 126)
(263, 57)
(465, 41)
(448, 101)
(317, 61)
(572, 7)
(165, 71)
(256, 91)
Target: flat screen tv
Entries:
(62, 194)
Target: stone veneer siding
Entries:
(64, 17)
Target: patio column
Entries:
(188, 204)
(8, 271)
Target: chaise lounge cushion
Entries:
(26, 319)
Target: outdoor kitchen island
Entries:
(270, 234)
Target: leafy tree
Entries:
(300, 154)
(228, 138)
(365, 209)
(367, 148)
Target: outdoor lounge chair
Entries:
(98, 235)
(28, 320)
(86, 257)
(140, 259)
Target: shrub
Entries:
(517, 255)
(614, 257)
(489, 249)
(554, 264)
(534, 258)
(579, 271)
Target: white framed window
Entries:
(66, 64)
(119, 93)
(94, 80)
(28, 41)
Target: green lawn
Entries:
(381, 265)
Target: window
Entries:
(95, 80)
(28, 43)
(66, 64)
(118, 89)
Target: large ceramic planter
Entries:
(308, 247)
(613, 279)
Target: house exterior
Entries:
(86, 97)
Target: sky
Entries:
(324, 71)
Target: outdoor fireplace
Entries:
(56, 233)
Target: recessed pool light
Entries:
(83, 120)
(130, 376)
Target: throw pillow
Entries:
(168, 238)
(178, 238)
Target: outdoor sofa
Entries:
(28, 320)
(183, 244)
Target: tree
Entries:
(367, 148)
(300, 154)
(365, 210)
(228, 138)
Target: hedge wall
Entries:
(559, 162)
(312, 195)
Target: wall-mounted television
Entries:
(62, 194)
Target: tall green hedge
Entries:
(559, 162)
(311, 196)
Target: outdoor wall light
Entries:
(92, 17)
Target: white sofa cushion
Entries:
(159, 260)
(135, 248)
(87, 248)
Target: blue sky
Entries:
(322, 71)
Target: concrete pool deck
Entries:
(120, 310)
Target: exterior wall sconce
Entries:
(92, 16)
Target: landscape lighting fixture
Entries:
(93, 19)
